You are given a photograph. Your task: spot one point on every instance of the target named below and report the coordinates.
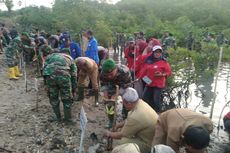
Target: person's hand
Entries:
(107, 133)
(74, 94)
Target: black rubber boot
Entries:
(67, 114)
(80, 93)
(57, 117)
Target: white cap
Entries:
(163, 149)
(130, 95)
(156, 48)
(127, 148)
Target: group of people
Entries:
(68, 68)
(144, 126)
(174, 128)
(149, 69)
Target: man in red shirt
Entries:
(142, 44)
(131, 52)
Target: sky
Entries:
(47, 3)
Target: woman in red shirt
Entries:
(154, 74)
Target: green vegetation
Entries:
(128, 16)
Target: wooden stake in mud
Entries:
(36, 88)
(81, 43)
(25, 75)
(21, 61)
(83, 123)
(217, 74)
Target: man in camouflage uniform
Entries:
(220, 39)
(113, 75)
(190, 41)
(5, 33)
(60, 76)
(43, 52)
(12, 53)
(28, 48)
(168, 41)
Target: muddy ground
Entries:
(25, 128)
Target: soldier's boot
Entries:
(110, 122)
(12, 74)
(68, 117)
(80, 93)
(17, 72)
(67, 114)
(57, 117)
(91, 93)
(67, 110)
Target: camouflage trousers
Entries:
(11, 57)
(59, 86)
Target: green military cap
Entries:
(46, 50)
(25, 34)
(131, 39)
(65, 50)
(108, 65)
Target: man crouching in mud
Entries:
(183, 128)
(111, 76)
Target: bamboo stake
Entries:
(215, 87)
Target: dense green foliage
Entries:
(151, 16)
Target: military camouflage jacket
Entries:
(122, 79)
(59, 64)
(16, 44)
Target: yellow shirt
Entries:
(140, 123)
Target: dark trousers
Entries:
(152, 96)
(227, 124)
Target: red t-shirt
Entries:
(142, 45)
(129, 55)
(149, 70)
(227, 116)
(140, 62)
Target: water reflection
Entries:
(205, 93)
